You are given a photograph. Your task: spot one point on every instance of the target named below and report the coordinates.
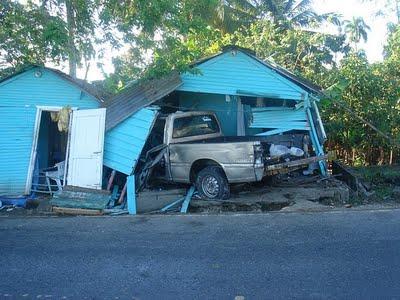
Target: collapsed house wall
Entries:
(249, 97)
(124, 143)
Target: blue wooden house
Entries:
(29, 138)
(249, 96)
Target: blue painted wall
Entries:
(124, 143)
(239, 74)
(225, 111)
(19, 97)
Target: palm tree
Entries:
(357, 30)
(296, 13)
(229, 15)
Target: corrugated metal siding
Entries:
(240, 74)
(124, 143)
(19, 97)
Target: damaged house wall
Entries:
(225, 110)
(280, 101)
(128, 121)
(249, 97)
(20, 95)
(124, 143)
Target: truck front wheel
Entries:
(211, 183)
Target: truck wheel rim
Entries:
(210, 186)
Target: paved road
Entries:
(316, 255)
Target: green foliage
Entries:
(165, 35)
(370, 91)
(27, 36)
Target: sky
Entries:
(347, 8)
(365, 9)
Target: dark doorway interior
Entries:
(52, 143)
(51, 149)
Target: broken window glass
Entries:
(195, 125)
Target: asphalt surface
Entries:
(346, 255)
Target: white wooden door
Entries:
(85, 163)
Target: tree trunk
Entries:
(72, 52)
(381, 160)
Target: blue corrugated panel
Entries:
(279, 118)
(19, 97)
(124, 143)
(239, 74)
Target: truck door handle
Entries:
(97, 152)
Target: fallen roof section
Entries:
(134, 98)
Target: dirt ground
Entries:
(288, 194)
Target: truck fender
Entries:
(200, 164)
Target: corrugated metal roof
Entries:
(132, 99)
(81, 84)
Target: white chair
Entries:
(57, 175)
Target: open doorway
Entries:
(49, 151)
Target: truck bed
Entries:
(286, 140)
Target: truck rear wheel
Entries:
(211, 183)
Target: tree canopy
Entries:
(161, 35)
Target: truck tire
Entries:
(211, 183)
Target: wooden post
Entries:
(111, 180)
(121, 197)
(131, 196)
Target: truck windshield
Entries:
(195, 125)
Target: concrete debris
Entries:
(151, 201)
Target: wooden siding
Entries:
(279, 118)
(19, 97)
(239, 74)
(124, 143)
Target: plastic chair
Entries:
(57, 175)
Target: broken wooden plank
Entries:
(169, 206)
(148, 201)
(188, 197)
(81, 198)
(347, 175)
(111, 179)
(123, 192)
(131, 194)
(294, 163)
(77, 211)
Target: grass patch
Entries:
(379, 174)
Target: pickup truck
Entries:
(189, 148)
